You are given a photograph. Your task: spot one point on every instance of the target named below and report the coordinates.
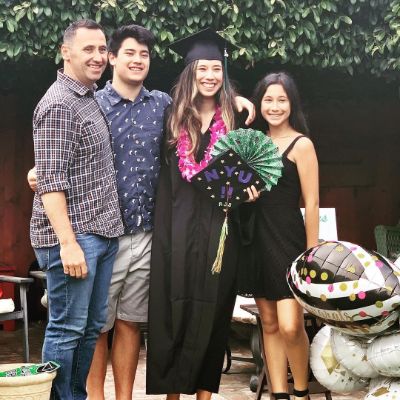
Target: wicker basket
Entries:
(388, 240)
(33, 387)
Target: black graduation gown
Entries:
(189, 308)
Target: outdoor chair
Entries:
(387, 240)
(22, 313)
(242, 317)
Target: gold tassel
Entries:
(216, 268)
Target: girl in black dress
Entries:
(189, 307)
(280, 234)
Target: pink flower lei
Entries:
(187, 163)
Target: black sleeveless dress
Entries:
(277, 236)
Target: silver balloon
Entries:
(384, 355)
(326, 368)
(383, 388)
(351, 352)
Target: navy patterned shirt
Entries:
(136, 130)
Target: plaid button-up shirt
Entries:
(73, 154)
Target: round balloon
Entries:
(348, 287)
(383, 388)
(384, 355)
(351, 352)
(326, 368)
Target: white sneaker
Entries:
(43, 300)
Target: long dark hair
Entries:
(297, 119)
(184, 111)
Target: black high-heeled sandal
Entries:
(281, 396)
(301, 393)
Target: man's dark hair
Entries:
(82, 23)
(137, 32)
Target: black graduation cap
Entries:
(204, 45)
(225, 179)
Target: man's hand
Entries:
(72, 257)
(73, 260)
(243, 104)
(253, 193)
(32, 179)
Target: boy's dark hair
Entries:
(70, 32)
(137, 32)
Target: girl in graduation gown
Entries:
(190, 308)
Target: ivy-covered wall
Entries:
(350, 35)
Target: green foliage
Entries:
(351, 35)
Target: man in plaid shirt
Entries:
(76, 217)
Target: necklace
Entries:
(280, 137)
(187, 163)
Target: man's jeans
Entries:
(78, 309)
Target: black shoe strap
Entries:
(300, 393)
(283, 396)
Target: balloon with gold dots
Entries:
(348, 287)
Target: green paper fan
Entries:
(257, 150)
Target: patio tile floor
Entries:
(234, 385)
